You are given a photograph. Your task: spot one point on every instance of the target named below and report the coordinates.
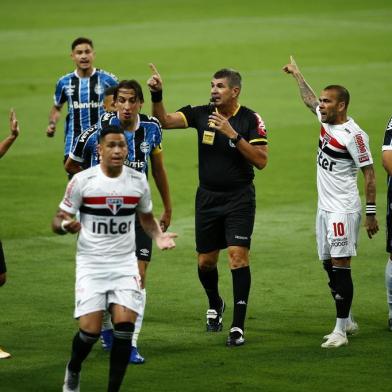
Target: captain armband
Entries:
(370, 209)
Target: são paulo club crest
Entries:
(114, 203)
(326, 140)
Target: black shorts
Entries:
(143, 242)
(389, 221)
(224, 218)
(3, 267)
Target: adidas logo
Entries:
(241, 303)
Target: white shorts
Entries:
(337, 234)
(95, 292)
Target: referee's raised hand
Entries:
(154, 83)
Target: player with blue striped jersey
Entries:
(144, 137)
(83, 91)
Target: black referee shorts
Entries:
(224, 218)
(143, 242)
(3, 267)
(389, 221)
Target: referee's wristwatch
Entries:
(236, 139)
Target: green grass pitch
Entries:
(290, 307)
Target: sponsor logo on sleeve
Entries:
(363, 158)
(361, 146)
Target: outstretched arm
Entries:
(307, 93)
(371, 223)
(168, 120)
(9, 140)
(151, 227)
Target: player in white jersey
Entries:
(107, 276)
(343, 149)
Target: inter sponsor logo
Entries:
(325, 163)
(111, 227)
(86, 105)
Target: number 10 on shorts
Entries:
(338, 229)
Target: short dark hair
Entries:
(233, 76)
(107, 129)
(109, 91)
(82, 40)
(130, 85)
(342, 93)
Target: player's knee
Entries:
(3, 279)
(341, 262)
(87, 337)
(123, 330)
(238, 260)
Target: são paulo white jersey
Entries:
(107, 214)
(343, 149)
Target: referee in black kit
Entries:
(231, 139)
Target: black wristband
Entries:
(236, 139)
(156, 96)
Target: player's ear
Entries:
(236, 92)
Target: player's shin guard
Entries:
(81, 346)
(344, 291)
(209, 280)
(327, 264)
(388, 285)
(241, 287)
(119, 356)
(139, 321)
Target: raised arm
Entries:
(160, 177)
(167, 120)
(14, 129)
(54, 116)
(151, 227)
(371, 223)
(307, 93)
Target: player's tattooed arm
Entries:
(64, 223)
(371, 223)
(307, 94)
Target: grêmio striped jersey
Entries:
(142, 143)
(84, 97)
(343, 149)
